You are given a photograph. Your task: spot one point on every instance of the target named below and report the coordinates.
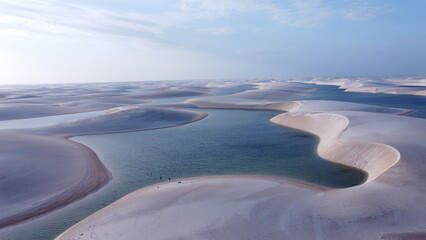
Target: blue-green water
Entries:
(227, 142)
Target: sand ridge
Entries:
(121, 119)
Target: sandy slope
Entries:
(50, 173)
(204, 208)
(392, 203)
(120, 120)
(373, 158)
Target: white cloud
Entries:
(364, 12)
(62, 18)
(53, 17)
(217, 30)
(295, 13)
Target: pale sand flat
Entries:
(205, 208)
(390, 148)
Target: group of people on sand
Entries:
(161, 177)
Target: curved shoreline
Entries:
(286, 180)
(97, 177)
(330, 148)
(200, 117)
(364, 156)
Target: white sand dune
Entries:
(251, 99)
(282, 85)
(391, 203)
(200, 208)
(121, 120)
(373, 158)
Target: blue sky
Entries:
(52, 41)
